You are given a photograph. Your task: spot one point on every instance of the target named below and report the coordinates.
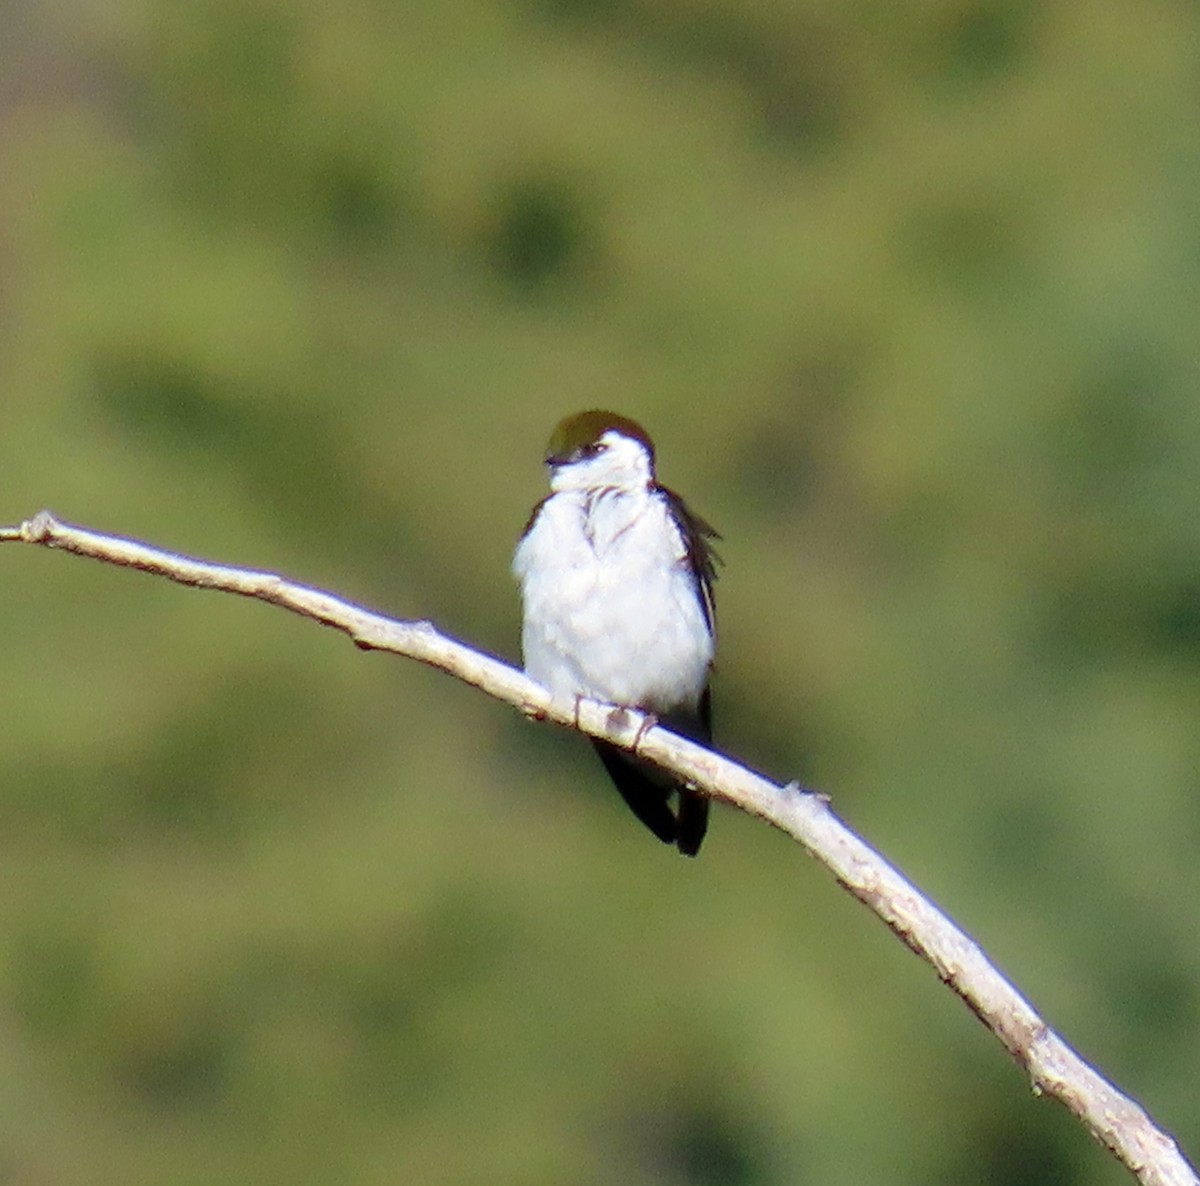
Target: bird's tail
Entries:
(648, 792)
(646, 797)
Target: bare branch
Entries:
(1054, 1068)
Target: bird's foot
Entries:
(649, 720)
(619, 718)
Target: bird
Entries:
(616, 576)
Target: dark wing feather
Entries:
(703, 559)
(693, 822)
(702, 556)
(537, 510)
(692, 815)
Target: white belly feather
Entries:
(611, 604)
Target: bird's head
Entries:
(597, 448)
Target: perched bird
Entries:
(616, 578)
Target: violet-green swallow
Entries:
(616, 578)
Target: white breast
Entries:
(611, 604)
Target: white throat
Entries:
(622, 463)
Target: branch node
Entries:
(793, 791)
(40, 528)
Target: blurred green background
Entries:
(909, 296)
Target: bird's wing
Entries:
(533, 515)
(702, 556)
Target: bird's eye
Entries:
(594, 449)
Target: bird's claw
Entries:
(649, 720)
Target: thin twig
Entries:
(1054, 1068)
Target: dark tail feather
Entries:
(646, 798)
(693, 822)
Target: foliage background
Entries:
(908, 294)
